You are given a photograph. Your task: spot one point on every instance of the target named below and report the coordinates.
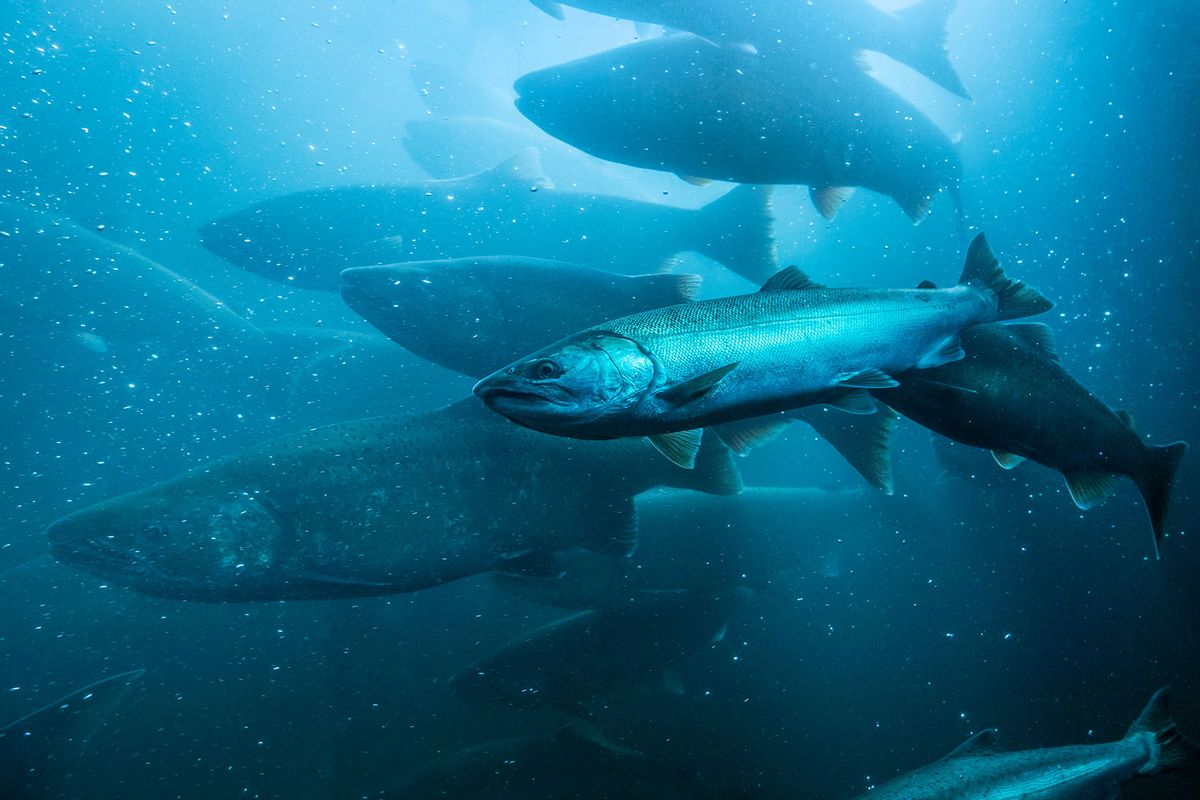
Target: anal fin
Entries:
(828, 199)
(1090, 489)
(744, 435)
(1007, 460)
(868, 379)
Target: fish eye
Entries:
(545, 368)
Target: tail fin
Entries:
(1173, 750)
(1013, 298)
(1155, 481)
(735, 229)
(715, 471)
(924, 48)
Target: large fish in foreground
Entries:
(666, 374)
(472, 314)
(684, 105)
(812, 29)
(1011, 395)
(307, 238)
(977, 771)
(376, 506)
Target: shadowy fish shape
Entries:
(375, 506)
(570, 662)
(307, 238)
(668, 373)
(684, 105)
(39, 752)
(1011, 395)
(813, 29)
(977, 771)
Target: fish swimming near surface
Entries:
(471, 315)
(814, 29)
(685, 105)
(38, 752)
(376, 506)
(667, 374)
(307, 238)
(978, 771)
(1011, 395)
(609, 650)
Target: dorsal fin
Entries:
(981, 744)
(523, 167)
(1126, 418)
(789, 279)
(1039, 337)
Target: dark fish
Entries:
(575, 660)
(812, 29)
(668, 373)
(682, 104)
(306, 239)
(376, 506)
(706, 544)
(473, 314)
(978, 771)
(574, 764)
(1012, 396)
(37, 751)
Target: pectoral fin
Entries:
(679, 447)
(681, 394)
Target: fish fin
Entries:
(1013, 298)
(667, 289)
(917, 208)
(1155, 481)
(551, 8)
(693, 180)
(853, 401)
(828, 199)
(680, 447)
(868, 379)
(587, 734)
(1090, 488)
(535, 564)
(1126, 417)
(326, 579)
(789, 279)
(744, 435)
(1007, 460)
(950, 350)
(864, 441)
(949, 387)
(926, 285)
(1038, 336)
(981, 744)
(715, 471)
(925, 43)
(523, 167)
(618, 530)
(1172, 750)
(680, 394)
(672, 683)
(735, 230)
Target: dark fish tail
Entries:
(1013, 298)
(1173, 750)
(735, 229)
(924, 45)
(1155, 480)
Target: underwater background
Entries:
(910, 622)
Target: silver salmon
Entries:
(666, 374)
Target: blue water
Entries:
(989, 602)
